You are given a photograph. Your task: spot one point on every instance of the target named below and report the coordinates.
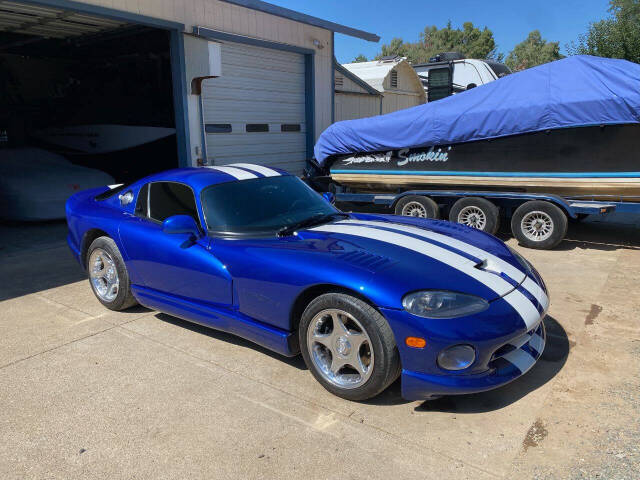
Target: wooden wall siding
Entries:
(408, 94)
(229, 18)
(348, 85)
(352, 106)
(408, 80)
(398, 101)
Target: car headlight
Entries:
(521, 260)
(442, 304)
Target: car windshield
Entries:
(261, 205)
(499, 69)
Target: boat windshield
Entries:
(262, 205)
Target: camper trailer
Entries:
(450, 73)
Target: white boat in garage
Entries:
(101, 138)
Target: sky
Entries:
(511, 21)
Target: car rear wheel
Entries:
(348, 346)
(417, 206)
(476, 212)
(539, 224)
(108, 275)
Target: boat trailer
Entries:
(537, 220)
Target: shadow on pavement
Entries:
(296, 361)
(553, 359)
(35, 257)
(605, 233)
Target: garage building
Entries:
(132, 86)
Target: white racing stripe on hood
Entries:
(517, 300)
(266, 171)
(508, 269)
(235, 172)
(536, 290)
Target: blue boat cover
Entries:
(576, 91)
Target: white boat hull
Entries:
(97, 139)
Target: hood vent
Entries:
(362, 259)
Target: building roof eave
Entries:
(354, 78)
(304, 18)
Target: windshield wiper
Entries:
(308, 222)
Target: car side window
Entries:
(142, 203)
(169, 198)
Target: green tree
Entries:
(469, 40)
(360, 58)
(395, 47)
(533, 51)
(616, 37)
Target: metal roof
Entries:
(50, 22)
(374, 72)
(304, 18)
(354, 78)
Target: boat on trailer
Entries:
(570, 128)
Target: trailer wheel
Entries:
(476, 212)
(539, 224)
(417, 206)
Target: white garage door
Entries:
(255, 111)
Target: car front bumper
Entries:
(505, 350)
(75, 249)
(503, 369)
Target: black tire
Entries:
(558, 225)
(429, 208)
(386, 365)
(124, 298)
(487, 214)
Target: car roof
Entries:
(201, 177)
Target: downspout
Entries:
(205, 156)
(333, 78)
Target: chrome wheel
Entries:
(340, 348)
(414, 209)
(537, 226)
(473, 217)
(103, 275)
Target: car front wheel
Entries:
(108, 275)
(348, 346)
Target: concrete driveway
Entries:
(90, 393)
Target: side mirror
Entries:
(181, 224)
(126, 198)
(329, 197)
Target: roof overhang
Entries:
(304, 18)
(356, 79)
(51, 22)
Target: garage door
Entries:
(255, 111)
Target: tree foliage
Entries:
(360, 58)
(616, 37)
(469, 40)
(532, 51)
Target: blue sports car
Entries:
(364, 298)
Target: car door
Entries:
(172, 264)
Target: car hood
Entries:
(405, 254)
